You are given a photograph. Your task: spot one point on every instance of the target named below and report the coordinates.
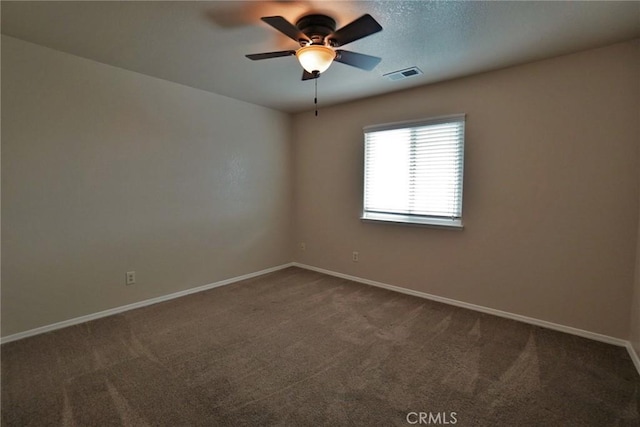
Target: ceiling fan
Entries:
(318, 39)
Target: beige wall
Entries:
(634, 335)
(105, 171)
(550, 191)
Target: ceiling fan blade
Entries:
(361, 27)
(358, 60)
(309, 76)
(285, 27)
(267, 55)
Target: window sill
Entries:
(455, 224)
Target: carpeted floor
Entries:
(300, 348)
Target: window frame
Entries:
(453, 222)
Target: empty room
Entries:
(320, 213)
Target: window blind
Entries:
(414, 171)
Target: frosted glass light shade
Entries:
(315, 57)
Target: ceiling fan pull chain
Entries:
(315, 99)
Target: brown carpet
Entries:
(300, 348)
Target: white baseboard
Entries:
(530, 320)
(116, 310)
(543, 323)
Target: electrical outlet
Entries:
(131, 277)
(355, 257)
(303, 246)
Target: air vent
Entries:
(403, 74)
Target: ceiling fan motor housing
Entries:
(316, 27)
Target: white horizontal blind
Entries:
(415, 169)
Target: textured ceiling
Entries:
(202, 44)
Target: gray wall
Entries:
(550, 191)
(106, 170)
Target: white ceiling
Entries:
(202, 44)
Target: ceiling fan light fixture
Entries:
(315, 58)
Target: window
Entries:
(413, 172)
